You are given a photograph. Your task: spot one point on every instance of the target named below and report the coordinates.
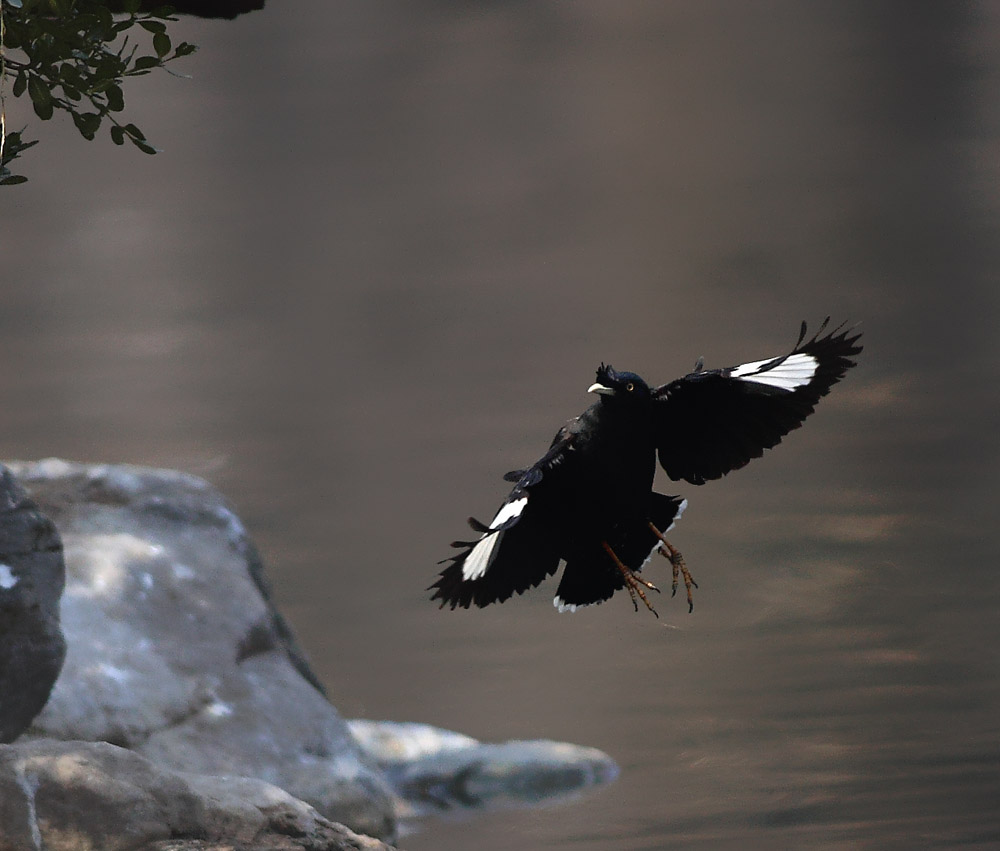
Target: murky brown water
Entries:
(375, 266)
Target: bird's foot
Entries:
(633, 582)
(680, 569)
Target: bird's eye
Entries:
(630, 387)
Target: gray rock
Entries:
(176, 653)
(66, 796)
(32, 647)
(175, 650)
(433, 769)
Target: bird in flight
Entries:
(589, 501)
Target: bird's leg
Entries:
(673, 555)
(632, 582)
(631, 593)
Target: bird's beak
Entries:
(600, 389)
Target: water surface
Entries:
(375, 266)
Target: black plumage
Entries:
(589, 501)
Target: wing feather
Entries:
(519, 547)
(711, 422)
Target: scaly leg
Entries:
(673, 555)
(633, 583)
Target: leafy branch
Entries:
(74, 55)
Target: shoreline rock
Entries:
(186, 713)
(32, 576)
(72, 795)
(176, 652)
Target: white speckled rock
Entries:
(174, 649)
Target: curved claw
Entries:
(633, 583)
(680, 569)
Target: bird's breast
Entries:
(618, 460)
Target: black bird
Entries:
(589, 500)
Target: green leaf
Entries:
(14, 145)
(131, 6)
(134, 132)
(161, 44)
(88, 123)
(116, 100)
(106, 19)
(144, 147)
(38, 90)
(43, 111)
(164, 12)
(184, 48)
(41, 98)
(14, 38)
(20, 84)
(117, 134)
(14, 178)
(69, 74)
(144, 63)
(153, 26)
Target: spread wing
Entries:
(521, 545)
(713, 421)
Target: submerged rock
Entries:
(433, 769)
(32, 575)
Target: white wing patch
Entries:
(563, 606)
(478, 561)
(789, 374)
(508, 511)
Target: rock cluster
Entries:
(185, 715)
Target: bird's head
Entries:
(620, 386)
